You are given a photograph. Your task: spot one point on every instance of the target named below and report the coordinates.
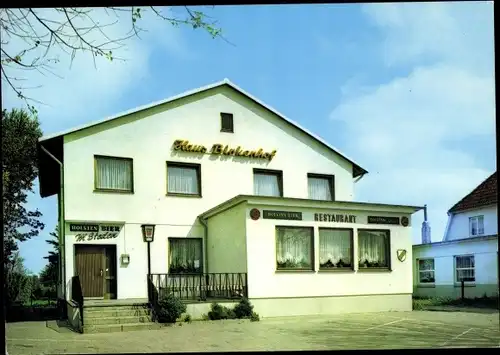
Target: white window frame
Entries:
(455, 269)
(433, 270)
(479, 220)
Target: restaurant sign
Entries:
(90, 232)
(293, 216)
(183, 145)
(383, 220)
(328, 217)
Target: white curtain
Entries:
(319, 189)
(372, 247)
(114, 174)
(334, 246)
(185, 255)
(266, 185)
(182, 180)
(293, 247)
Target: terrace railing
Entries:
(198, 287)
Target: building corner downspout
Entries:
(203, 222)
(62, 244)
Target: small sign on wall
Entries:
(383, 220)
(293, 216)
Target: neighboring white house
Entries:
(468, 252)
(243, 200)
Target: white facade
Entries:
(232, 242)
(476, 248)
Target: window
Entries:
(335, 248)
(226, 122)
(425, 271)
(476, 225)
(464, 268)
(183, 179)
(321, 187)
(294, 248)
(113, 174)
(268, 182)
(373, 248)
(185, 255)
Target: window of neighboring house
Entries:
(185, 255)
(373, 248)
(226, 122)
(268, 182)
(113, 174)
(476, 225)
(335, 248)
(294, 248)
(464, 268)
(183, 179)
(425, 271)
(321, 187)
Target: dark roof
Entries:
(483, 195)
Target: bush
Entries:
(219, 312)
(254, 317)
(169, 309)
(187, 318)
(244, 309)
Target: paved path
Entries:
(353, 331)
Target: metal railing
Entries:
(198, 287)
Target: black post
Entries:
(463, 290)
(149, 273)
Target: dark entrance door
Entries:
(96, 267)
(89, 267)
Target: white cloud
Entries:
(86, 91)
(403, 127)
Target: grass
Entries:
(420, 303)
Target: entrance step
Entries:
(117, 320)
(112, 317)
(112, 328)
(106, 313)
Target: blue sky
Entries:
(407, 90)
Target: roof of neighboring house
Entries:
(454, 241)
(357, 169)
(483, 195)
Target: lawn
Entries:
(421, 303)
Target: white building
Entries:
(244, 202)
(468, 251)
